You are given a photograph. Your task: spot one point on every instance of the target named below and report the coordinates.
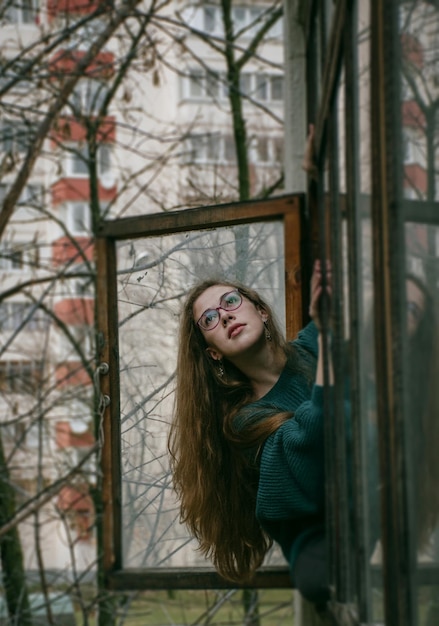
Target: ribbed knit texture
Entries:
(290, 498)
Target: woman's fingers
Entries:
(317, 287)
(309, 164)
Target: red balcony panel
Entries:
(67, 61)
(412, 115)
(75, 311)
(415, 177)
(78, 190)
(64, 251)
(54, 7)
(67, 129)
(66, 438)
(412, 50)
(71, 374)
(76, 504)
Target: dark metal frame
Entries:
(289, 210)
(389, 214)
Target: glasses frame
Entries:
(217, 309)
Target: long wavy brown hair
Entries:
(214, 477)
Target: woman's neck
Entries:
(263, 370)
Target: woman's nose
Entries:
(226, 316)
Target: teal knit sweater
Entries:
(290, 497)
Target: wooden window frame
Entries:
(288, 209)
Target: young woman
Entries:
(246, 443)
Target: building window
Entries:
(247, 21)
(104, 159)
(195, 152)
(267, 88)
(31, 194)
(240, 18)
(254, 17)
(13, 72)
(261, 87)
(208, 148)
(245, 84)
(20, 376)
(77, 160)
(79, 217)
(88, 97)
(15, 256)
(76, 217)
(24, 434)
(14, 314)
(21, 11)
(266, 150)
(202, 85)
(276, 88)
(10, 258)
(217, 148)
(81, 37)
(196, 84)
(15, 137)
(211, 20)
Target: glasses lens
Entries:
(209, 319)
(231, 301)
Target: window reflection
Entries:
(422, 401)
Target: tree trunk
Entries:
(11, 555)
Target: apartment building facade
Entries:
(164, 140)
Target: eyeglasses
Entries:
(415, 310)
(229, 301)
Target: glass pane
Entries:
(195, 84)
(80, 162)
(277, 88)
(422, 402)
(368, 405)
(420, 128)
(154, 274)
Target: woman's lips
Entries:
(235, 330)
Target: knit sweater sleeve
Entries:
(291, 483)
(307, 339)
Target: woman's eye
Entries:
(209, 318)
(231, 300)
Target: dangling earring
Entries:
(220, 369)
(267, 331)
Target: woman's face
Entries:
(238, 331)
(415, 306)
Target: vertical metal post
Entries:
(355, 252)
(110, 429)
(389, 320)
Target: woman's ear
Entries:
(214, 354)
(262, 312)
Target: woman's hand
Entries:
(317, 281)
(321, 279)
(309, 160)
